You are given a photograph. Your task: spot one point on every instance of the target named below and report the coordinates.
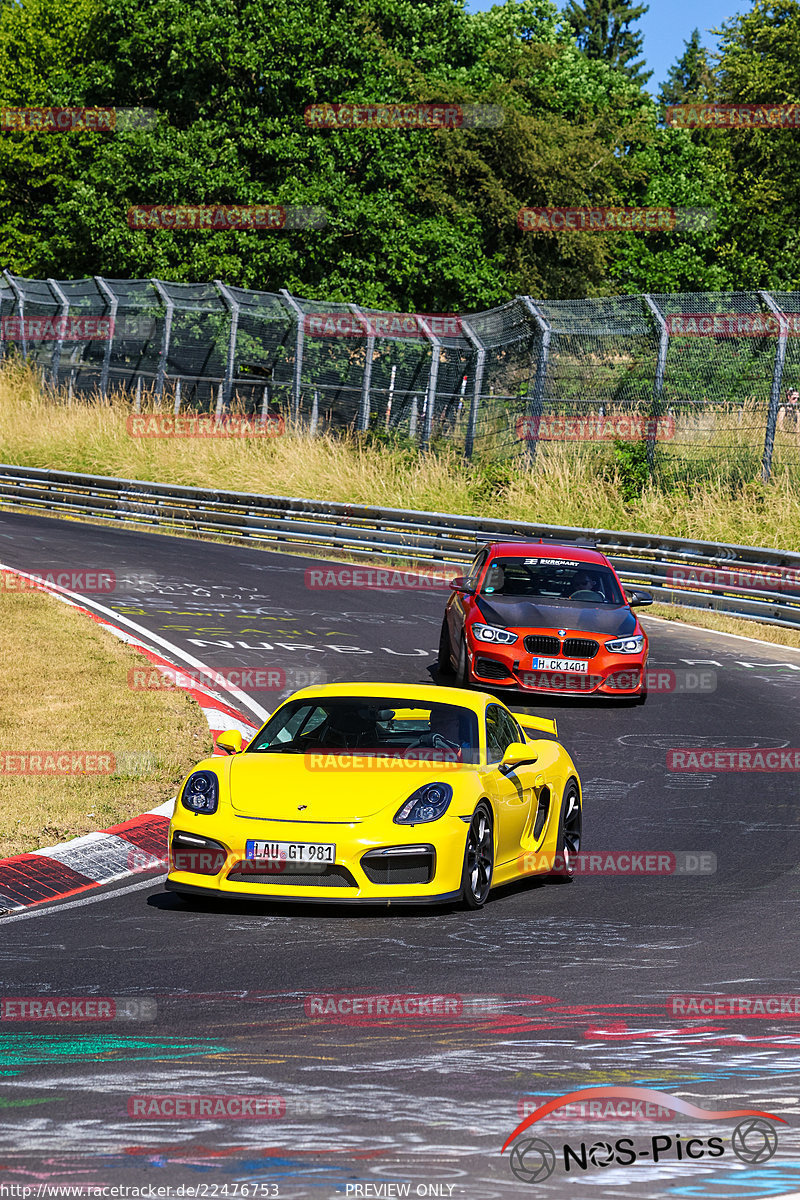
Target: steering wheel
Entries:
(442, 743)
(436, 740)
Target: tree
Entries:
(690, 77)
(417, 218)
(602, 30)
(759, 63)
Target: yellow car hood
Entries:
(275, 785)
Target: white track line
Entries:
(58, 908)
(720, 632)
(116, 618)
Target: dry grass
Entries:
(564, 488)
(66, 688)
(707, 619)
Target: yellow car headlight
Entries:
(427, 803)
(201, 792)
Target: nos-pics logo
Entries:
(754, 1139)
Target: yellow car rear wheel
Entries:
(570, 828)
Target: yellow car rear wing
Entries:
(544, 724)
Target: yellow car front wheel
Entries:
(476, 876)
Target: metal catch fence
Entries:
(682, 385)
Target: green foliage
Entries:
(630, 465)
(690, 77)
(491, 480)
(417, 219)
(760, 63)
(602, 30)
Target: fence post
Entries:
(169, 308)
(392, 377)
(412, 420)
(433, 380)
(658, 382)
(775, 390)
(537, 384)
(480, 365)
(113, 302)
(362, 423)
(64, 302)
(299, 343)
(19, 296)
(230, 367)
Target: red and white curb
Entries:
(134, 846)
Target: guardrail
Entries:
(727, 578)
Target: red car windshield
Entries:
(554, 581)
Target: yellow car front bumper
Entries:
(415, 864)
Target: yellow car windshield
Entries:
(371, 726)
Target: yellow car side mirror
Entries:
(230, 741)
(518, 753)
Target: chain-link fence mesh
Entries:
(682, 385)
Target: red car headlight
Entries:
(627, 645)
(493, 633)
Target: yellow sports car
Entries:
(379, 792)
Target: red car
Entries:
(544, 618)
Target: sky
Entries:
(666, 27)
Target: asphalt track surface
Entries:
(580, 974)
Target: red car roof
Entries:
(547, 550)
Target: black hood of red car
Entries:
(517, 612)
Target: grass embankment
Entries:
(708, 619)
(564, 487)
(66, 689)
